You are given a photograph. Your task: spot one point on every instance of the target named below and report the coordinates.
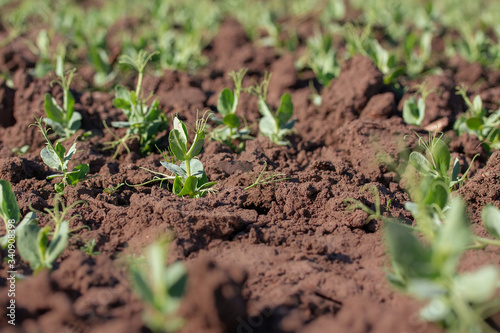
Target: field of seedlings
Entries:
(234, 166)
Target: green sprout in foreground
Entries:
(33, 242)
(160, 287)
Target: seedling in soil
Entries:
(34, 244)
(275, 125)
(10, 213)
(143, 122)
(89, 248)
(230, 129)
(64, 121)
(436, 161)
(160, 287)
(111, 189)
(57, 158)
(477, 121)
(459, 302)
(266, 177)
(189, 178)
(20, 151)
(322, 58)
(413, 109)
(372, 214)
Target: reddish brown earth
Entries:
(285, 257)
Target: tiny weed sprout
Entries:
(230, 129)
(89, 248)
(10, 213)
(275, 125)
(477, 121)
(266, 177)
(460, 302)
(33, 242)
(160, 287)
(189, 178)
(64, 121)
(372, 214)
(143, 122)
(57, 158)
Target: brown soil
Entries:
(285, 257)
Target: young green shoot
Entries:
(189, 178)
(33, 242)
(460, 302)
(275, 125)
(476, 121)
(89, 248)
(11, 215)
(143, 122)
(63, 120)
(376, 214)
(160, 287)
(413, 109)
(57, 157)
(230, 129)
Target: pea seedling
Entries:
(160, 287)
(476, 121)
(275, 125)
(10, 213)
(64, 121)
(229, 126)
(34, 244)
(459, 302)
(143, 122)
(56, 157)
(189, 178)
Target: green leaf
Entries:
(197, 145)
(177, 144)
(474, 123)
(285, 110)
(264, 109)
(54, 111)
(436, 192)
(177, 186)
(441, 155)
(407, 253)
(491, 220)
(179, 125)
(50, 158)
(420, 163)
(478, 286)
(267, 126)
(69, 107)
(58, 244)
(75, 122)
(425, 288)
(452, 239)
(179, 171)
(8, 203)
(27, 243)
(232, 120)
(437, 310)
(225, 102)
(141, 285)
(411, 112)
(456, 170)
(477, 103)
(189, 187)
(121, 103)
(196, 168)
(77, 174)
(176, 277)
